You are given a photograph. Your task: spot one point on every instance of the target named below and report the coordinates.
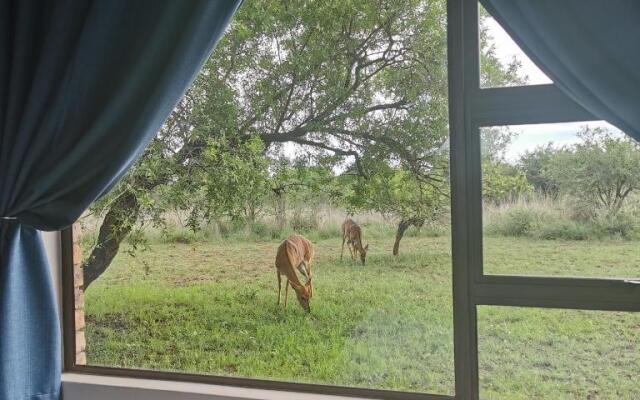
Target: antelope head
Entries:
(304, 295)
(363, 253)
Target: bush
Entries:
(515, 222)
(261, 230)
(302, 223)
(429, 230)
(228, 228)
(281, 234)
(558, 220)
(182, 236)
(619, 225)
(561, 230)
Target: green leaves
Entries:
(398, 192)
(359, 85)
(602, 170)
(503, 182)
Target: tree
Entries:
(503, 182)
(296, 182)
(534, 163)
(492, 72)
(230, 180)
(355, 80)
(602, 169)
(400, 193)
(494, 142)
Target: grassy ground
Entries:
(210, 307)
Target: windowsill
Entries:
(96, 387)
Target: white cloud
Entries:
(531, 136)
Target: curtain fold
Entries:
(84, 86)
(589, 48)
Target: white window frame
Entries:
(470, 108)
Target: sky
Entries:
(531, 136)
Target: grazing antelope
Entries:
(295, 253)
(352, 234)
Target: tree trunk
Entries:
(281, 211)
(250, 213)
(117, 224)
(402, 227)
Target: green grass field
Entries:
(210, 307)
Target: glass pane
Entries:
(499, 49)
(286, 132)
(561, 200)
(529, 353)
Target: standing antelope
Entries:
(352, 234)
(296, 252)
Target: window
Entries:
(287, 130)
(560, 200)
(199, 303)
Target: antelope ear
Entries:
(366, 247)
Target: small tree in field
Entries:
(534, 163)
(503, 182)
(603, 169)
(412, 199)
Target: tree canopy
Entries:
(357, 86)
(602, 169)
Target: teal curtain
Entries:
(84, 86)
(589, 48)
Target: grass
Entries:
(558, 354)
(209, 307)
(585, 258)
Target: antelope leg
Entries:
(286, 293)
(279, 285)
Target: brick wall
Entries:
(78, 282)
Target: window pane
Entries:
(287, 131)
(498, 48)
(529, 353)
(561, 200)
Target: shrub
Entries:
(228, 228)
(261, 230)
(281, 234)
(180, 236)
(514, 222)
(561, 230)
(558, 219)
(618, 225)
(302, 223)
(430, 230)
